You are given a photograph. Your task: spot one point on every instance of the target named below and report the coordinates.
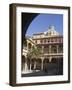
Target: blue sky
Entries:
(43, 21)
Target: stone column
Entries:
(27, 46)
(49, 49)
(42, 65)
(50, 59)
(30, 64)
(57, 49)
(35, 65)
(26, 68)
(42, 49)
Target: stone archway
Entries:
(57, 66)
(29, 45)
(54, 60)
(23, 63)
(60, 48)
(28, 63)
(38, 64)
(32, 64)
(54, 63)
(53, 49)
(46, 49)
(60, 65)
(45, 64)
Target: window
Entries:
(56, 39)
(29, 45)
(59, 40)
(35, 41)
(48, 40)
(52, 40)
(46, 49)
(44, 40)
(41, 41)
(60, 49)
(53, 49)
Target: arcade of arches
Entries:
(40, 63)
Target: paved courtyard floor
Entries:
(42, 73)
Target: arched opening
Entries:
(29, 45)
(46, 49)
(27, 18)
(33, 64)
(60, 49)
(38, 64)
(25, 44)
(54, 64)
(53, 49)
(28, 63)
(54, 60)
(60, 65)
(45, 64)
(57, 66)
(23, 63)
